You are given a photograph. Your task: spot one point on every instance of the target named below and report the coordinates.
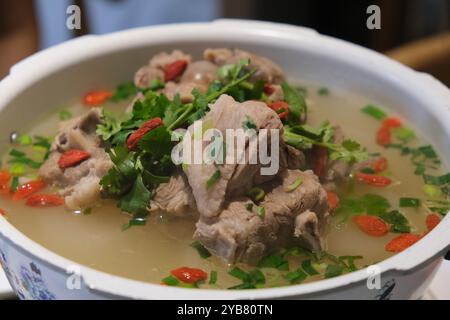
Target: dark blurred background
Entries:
(415, 32)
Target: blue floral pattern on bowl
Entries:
(29, 284)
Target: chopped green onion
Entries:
(257, 277)
(323, 91)
(428, 151)
(249, 123)
(309, 269)
(398, 228)
(87, 211)
(124, 91)
(280, 111)
(440, 206)
(157, 84)
(16, 153)
(256, 194)
(17, 169)
(420, 169)
(243, 286)
(249, 206)
(404, 134)
(350, 261)
(432, 191)
(239, 274)
(374, 112)
(294, 185)
(437, 180)
(25, 140)
(202, 251)
(14, 184)
(333, 270)
(368, 170)
(42, 142)
(171, 281)
(213, 277)
(296, 277)
(213, 179)
(261, 212)
(410, 202)
(65, 115)
(274, 261)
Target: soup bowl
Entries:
(54, 77)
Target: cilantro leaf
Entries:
(110, 125)
(249, 123)
(157, 142)
(124, 92)
(136, 201)
(296, 102)
(349, 151)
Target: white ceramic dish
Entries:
(61, 74)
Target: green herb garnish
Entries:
(323, 91)
(250, 280)
(202, 251)
(261, 212)
(19, 157)
(65, 115)
(213, 179)
(437, 180)
(256, 194)
(295, 277)
(439, 206)
(409, 202)
(398, 222)
(307, 266)
(349, 151)
(14, 184)
(171, 281)
(293, 186)
(374, 112)
(333, 271)
(213, 277)
(124, 91)
(275, 261)
(249, 124)
(404, 134)
(432, 191)
(296, 102)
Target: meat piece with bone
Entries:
(80, 183)
(292, 217)
(154, 70)
(174, 197)
(266, 70)
(198, 75)
(238, 175)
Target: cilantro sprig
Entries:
(305, 137)
(136, 174)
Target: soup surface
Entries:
(95, 236)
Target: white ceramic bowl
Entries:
(53, 77)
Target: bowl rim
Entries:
(55, 59)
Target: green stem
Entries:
(182, 118)
(213, 96)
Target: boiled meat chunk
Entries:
(295, 217)
(266, 70)
(155, 68)
(235, 179)
(174, 197)
(79, 184)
